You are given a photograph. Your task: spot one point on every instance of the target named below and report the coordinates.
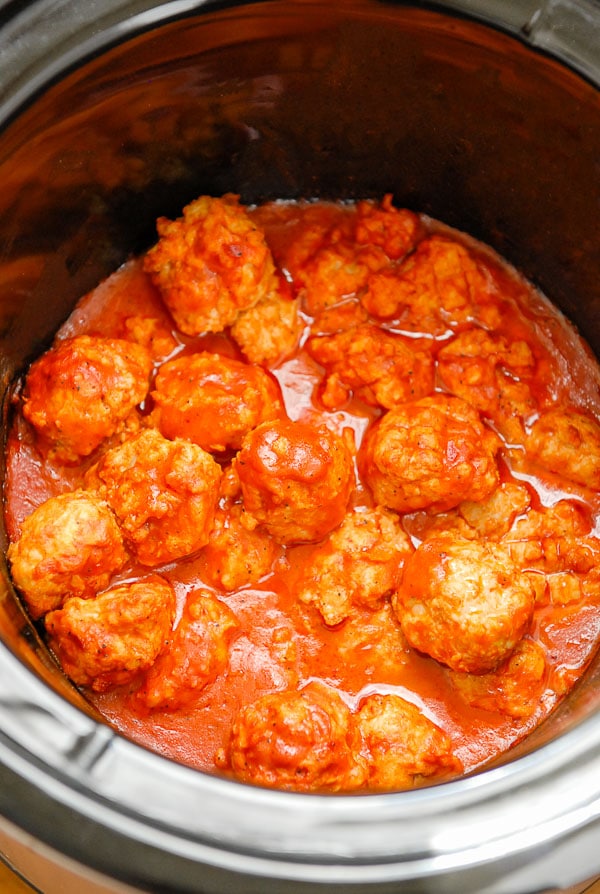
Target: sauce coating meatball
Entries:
(567, 443)
(381, 369)
(69, 546)
(108, 640)
(269, 331)
(197, 653)
(163, 493)
(296, 480)
(304, 741)
(213, 400)
(403, 745)
(209, 264)
(78, 393)
(359, 564)
(464, 602)
(432, 453)
(235, 556)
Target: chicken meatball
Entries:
(381, 369)
(235, 556)
(430, 454)
(108, 640)
(514, 689)
(69, 546)
(296, 480)
(395, 230)
(404, 747)
(163, 493)
(464, 602)
(210, 264)
(78, 393)
(359, 564)
(302, 741)
(567, 443)
(213, 400)
(269, 331)
(197, 653)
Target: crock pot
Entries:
(482, 113)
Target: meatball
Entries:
(269, 331)
(108, 640)
(69, 546)
(210, 264)
(382, 369)
(338, 270)
(300, 741)
(236, 557)
(195, 656)
(439, 285)
(359, 564)
(395, 230)
(494, 516)
(567, 443)
(79, 392)
(432, 453)
(493, 375)
(464, 602)
(163, 493)
(296, 480)
(514, 689)
(404, 747)
(213, 400)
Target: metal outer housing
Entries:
(484, 114)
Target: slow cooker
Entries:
(482, 113)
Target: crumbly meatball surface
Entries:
(430, 454)
(567, 443)
(69, 546)
(236, 556)
(464, 602)
(296, 480)
(213, 400)
(79, 392)
(209, 264)
(359, 564)
(382, 369)
(163, 493)
(403, 746)
(303, 741)
(110, 639)
(197, 652)
(269, 331)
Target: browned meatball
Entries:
(209, 264)
(236, 556)
(380, 368)
(296, 479)
(108, 640)
(464, 602)
(301, 741)
(164, 494)
(430, 454)
(567, 443)
(404, 747)
(213, 400)
(69, 546)
(514, 689)
(197, 653)
(269, 331)
(79, 392)
(359, 564)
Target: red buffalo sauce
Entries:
(282, 643)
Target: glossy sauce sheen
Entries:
(284, 644)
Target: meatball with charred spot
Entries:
(197, 653)
(210, 264)
(404, 746)
(464, 602)
(296, 480)
(163, 493)
(300, 741)
(69, 546)
(108, 640)
(213, 400)
(430, 454)
(79, 392)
